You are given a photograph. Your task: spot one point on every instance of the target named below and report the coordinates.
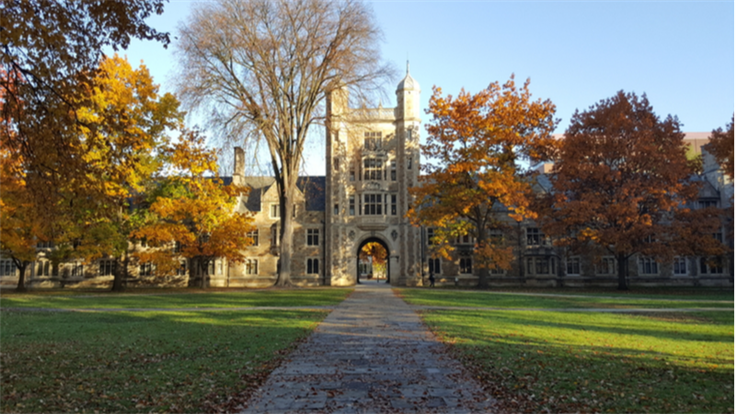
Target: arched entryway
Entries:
(367, 242)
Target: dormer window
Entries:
(372, 141)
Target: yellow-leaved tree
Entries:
(124, 135)
(195, 217)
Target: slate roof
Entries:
(313, 189)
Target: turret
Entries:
(407, 98)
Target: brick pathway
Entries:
(371, 354)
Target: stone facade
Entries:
(372, 159)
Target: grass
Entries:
(467, 298)
(148, 361)
(153, 299)
(537, 361)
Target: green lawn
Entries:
(586, 361)
(160, 361)
(468, 298)
(180, 299)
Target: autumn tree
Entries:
(620, 184)
(263, 69)
(50, 51)
(195, 214)
(478, 152)
(20, 230)
(721, 146)
(125, 126)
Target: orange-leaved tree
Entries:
(721, 146)
(621, 183)
(195, 212)
(478, 152)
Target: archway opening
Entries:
(373, 261)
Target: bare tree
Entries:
(261, 70)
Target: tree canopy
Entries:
(721, 146)
(262, 69)
(478, 150)
(621, 182)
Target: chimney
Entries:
(239, 162)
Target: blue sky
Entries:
(681, 54)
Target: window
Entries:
(275, 211)
(274, 235)
(393, 170)
(253, 235)
(372, 169)
(352, 172)
(466, 265)
(434, 266)
(336, 163)
(372, 141)
(77, 270)
(679, 266)
(573, 265)
(219, 266)
(44, 268)
(211, 267)
(312, 266)
(251, 267)
(718, 236)
(534, 237)
(430, 236)
(177, 247)
(393, 204)
(182, 270)
(107, 267)
(541, 265)
(312, 237)
(648, 266)
(45, 244)
(372, 205)
(408, 163)
(336, 209)
(607, 266)
(495, 270)
(711, 266)
(351, 205)
(146, 269)
(7, 268)
(496, 236)
(465, 239)
(707, 203)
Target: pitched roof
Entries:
(313, 189)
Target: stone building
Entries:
(372, 159)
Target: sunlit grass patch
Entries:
(141, 361)
(466, 298)
(575, 361)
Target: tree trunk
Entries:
(484, 273)
(21, 277)
(203, 264)
(286, 246)
(623, 266)
(120, 274)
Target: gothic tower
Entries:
(372, 157)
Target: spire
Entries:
(407, 67)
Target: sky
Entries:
(576, 53)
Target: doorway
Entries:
(373, 261)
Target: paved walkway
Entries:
(371, 354)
